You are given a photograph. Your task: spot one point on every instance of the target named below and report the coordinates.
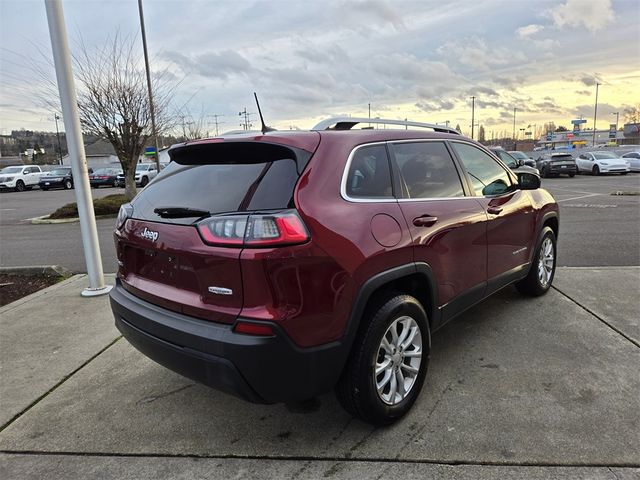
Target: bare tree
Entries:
(632, 114)
(114, 103)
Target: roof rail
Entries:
(347, 123)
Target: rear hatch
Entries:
(562, 160)
(162, 254)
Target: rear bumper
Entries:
(559, 169)
(257, 369)
(51, 184)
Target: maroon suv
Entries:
(278, 266)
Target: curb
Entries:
(46, 220)
(48, 270)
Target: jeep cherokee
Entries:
(278, 266)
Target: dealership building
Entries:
(578, 138)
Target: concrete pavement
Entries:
(517, 388)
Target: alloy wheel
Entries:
(546, 261)
(398, 360)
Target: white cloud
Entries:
(592, 14)
(475, 53)
(529, 30)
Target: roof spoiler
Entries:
(347, 123)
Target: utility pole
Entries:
(216, 122)
(246, 125)
(57, 117)
(617, 114)
(595, 115)
(69, 102)
(146, 66)
(515, 141)
(473, 111)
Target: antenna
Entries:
(264, 128)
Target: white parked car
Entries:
(597, 163)
(634, 160)
(20, 178)
(145, 172)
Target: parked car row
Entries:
(145, 172)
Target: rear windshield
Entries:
(218, 188)
(561, 158)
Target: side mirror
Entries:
(528, 181)
(520, 162)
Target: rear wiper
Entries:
(180, 212)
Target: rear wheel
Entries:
(596, 170)
(144, 181)
(543, 266)
(571, 175)
(44, 188)
(388, 362)
(544, 173)
(68, 185)
(20, 186)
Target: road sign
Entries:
(150, 151)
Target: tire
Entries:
(68, 184)
(44, 189)
(623, 173)
(596, 170)
(544, 173)
(537, 282)
(144, 182)
(571, 175)
(357, 389)
(20, 187)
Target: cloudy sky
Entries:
(313, 59)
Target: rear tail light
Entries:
(125, 213)
(258, 329)
(254, 230)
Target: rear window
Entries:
(563, 158)
(219, 187)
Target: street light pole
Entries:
(57, 117)
(152, 109)
(69, 102)
(595, 115)
(473, 112)
(515, 141)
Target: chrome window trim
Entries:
(345, 174)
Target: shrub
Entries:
(108, 205)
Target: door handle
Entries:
(424, 221)
(494, 210)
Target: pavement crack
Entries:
(60, 382)
(153, 398)
(328, 459)
(613, 473)
(602, 320)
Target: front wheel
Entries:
(543, 266)
(596, 170)
(20, 187)
(388, 362)
(68, 185)
(544, 173)
(571, 175)
(144, 182)
(624, 173)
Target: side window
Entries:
(507, 159)
(369, 175)
(487, 176)
(427, 170)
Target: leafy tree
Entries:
(561, 129)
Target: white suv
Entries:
(20, 178)
(145, 172)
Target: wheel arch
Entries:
(416, 279)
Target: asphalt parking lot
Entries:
(596, 228)
(517, 387)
